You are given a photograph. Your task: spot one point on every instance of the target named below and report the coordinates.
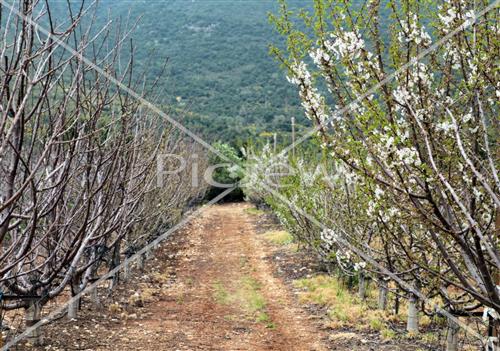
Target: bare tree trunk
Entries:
(94, 296)
(412, 324)
(115, 262)
(382, 295)
(492, 335)
(126, 270)
(452, 336)
(74, 303)
(141, 262)
(73, 308)
(362, 286)
(396, 305)
(33, 316)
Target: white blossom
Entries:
(345, 45)
(446, 126)
(490, 312)
(359, 266)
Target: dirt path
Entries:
(225, 296)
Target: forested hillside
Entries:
(219, 78)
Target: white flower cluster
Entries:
(379, 192)
(358, 266)
(452, 15)
(409, 89)
(412, 32)
(372, 208)
(446, 126)
(319, 56)
(344, 175)
(408, 156)
(452, 54)
(448, 17)
(345, 45)
(329, 237)
(386, 215)
(312, 101)
(308, 178)
(301, 74)
(343, 256)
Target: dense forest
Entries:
(219, 78)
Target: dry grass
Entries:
(345, 309)
(254, 211)
(144, 295)
(343, 336)
(279, 237)
(114, 308)
(387, 334)
(160, 278)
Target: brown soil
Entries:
(179, 305)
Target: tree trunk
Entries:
(74, 303)
(396, 305)
(362, 286)
(94, 296)
(149, 253)
(33, 316)
(452, 336)
(382, 295)
(412, 325)
(115, 262)
(141, 262)
(73, 308)
(493, 343)
(126, 270)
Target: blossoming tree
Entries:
(405, 96)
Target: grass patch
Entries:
(271, 325)
(279, 237)
(160, 278)
(243, 261)
(430, 338)
(263, 317)
(345, 309)
(247, 296)
(190, 281)
(254, 211)
(180, 299)
(388, 334)
(220, 294)
(377, 324)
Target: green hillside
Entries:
(220, 78)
